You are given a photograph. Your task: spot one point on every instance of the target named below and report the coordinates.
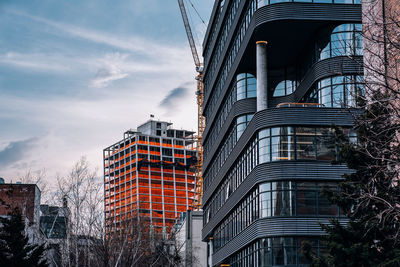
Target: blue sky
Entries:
(74, 75)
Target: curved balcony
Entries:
(280, 117)
(276, 171)
(270, 227)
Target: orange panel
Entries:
(143, 190)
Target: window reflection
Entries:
(290, 199)
(306, 199)
(271, 199)
(310, 144)
(337, 91)
(345, 40)
(305, 144)
(246, 86)
(282, 143)
(241, 124)
(285, 87)
(296, 143)
(277, 251)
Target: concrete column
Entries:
(262, 73)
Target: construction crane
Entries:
(200, 118)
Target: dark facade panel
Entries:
(240, 107)
(279, 170)
(207, 43)
(279, 117)
(308, 11)
(231, 73)
(270, 227)
(211, 24)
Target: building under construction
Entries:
(149, 175)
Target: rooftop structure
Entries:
(149, 176)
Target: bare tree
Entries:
(83, 191)
(381, 102)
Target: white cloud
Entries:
(35, 61)
(133, 44)
(111, 70)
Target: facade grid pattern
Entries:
(149, 178)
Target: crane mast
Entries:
(200, 118)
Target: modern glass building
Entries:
(149, 177)
(278, 74)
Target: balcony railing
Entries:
(301, 105)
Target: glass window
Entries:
(265, 258)
(324, 205)
(252, 87)
(264, 150)
(280, 89)
(284, 251)
(285, 87)
(325, 142)
(337, 91)
(306, 199)
(345, 40)
(241, 89)
(282, 145)
(246, 86)
(305, 143)
(241, 124)
(282, 199)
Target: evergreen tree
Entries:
(14, 248)
(369, 196)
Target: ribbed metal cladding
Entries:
(322, 69)
(238, 108)
(209, 29)
(280, 170)
(230, 34)
(270, 227)
(308, 11)
(279, 117)
(232, 71)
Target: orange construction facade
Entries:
(149, 175)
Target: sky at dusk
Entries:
(74, 75)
